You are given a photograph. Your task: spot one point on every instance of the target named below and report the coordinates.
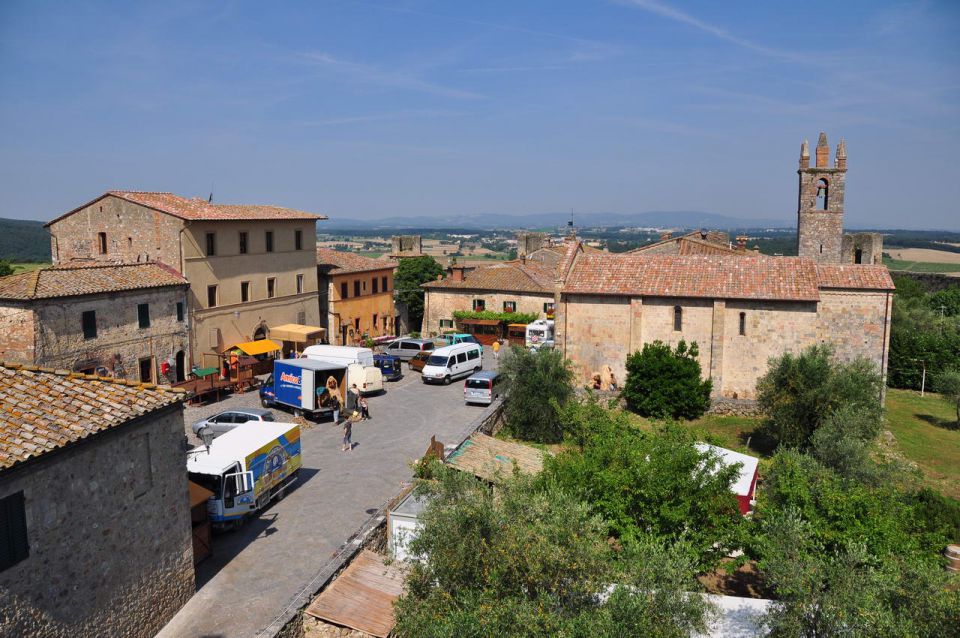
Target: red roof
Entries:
(345, 262)
(866, 277)
(198, 209)
(69, 280)
(709, 276)
(510, 276)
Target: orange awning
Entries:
(261, 346)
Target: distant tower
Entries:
(820, 202)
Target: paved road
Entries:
(257, 570)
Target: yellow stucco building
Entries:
(356, 296)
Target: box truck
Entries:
(294, 384)
(360, 362)
(246, 468)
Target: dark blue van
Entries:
(389, 366)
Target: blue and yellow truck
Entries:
(246, 468)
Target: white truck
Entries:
(361, 368)
(246, 468)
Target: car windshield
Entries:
(468, 339)
(436, 360)
(208, 481)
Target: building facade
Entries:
(356, 296)
(127, 321)
(249, 267)
(94, 502)
(740, 309)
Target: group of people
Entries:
(357, 407)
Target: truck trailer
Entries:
(246, 468)
(294, 384)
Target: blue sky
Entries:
(372, 109)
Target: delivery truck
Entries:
(294, 384)
(362, 370)
(246, 468)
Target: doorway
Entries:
(146, 370)
(179, 363)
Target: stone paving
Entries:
(257, 570)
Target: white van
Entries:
(449, 362)
(359, 361)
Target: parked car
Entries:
(453, 338)
(389, 366)
(226, 421)
(407, 347)
(482, 387)
(451, 362)
(419, 360)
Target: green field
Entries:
(26, 267)
(919, 266)
(924, 432)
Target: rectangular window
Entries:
(677, 318)
(13, 530)
(179, 311)
(302, 317)
(146, 370)
(479, 305)
(374, 324)
(243, 243)
(298, 240)
(356, 324)
(356, 288)
(102, 241)
(375, 290)
(446, 323)
(343, 290)
(743, 324)
(211, 244)
(509, 306)
(299, 284)
(271, 287)
(89, 319)
(211, 296)
(269, 240)
(244, 291)
(143, 315)
(383, 280)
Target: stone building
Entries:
(406, 246)
(249, 267)
(356, 296)
(122, 320)
(740, 309)
(698, 242)
(93, 505)
(862, 248)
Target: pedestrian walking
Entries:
(348, 434)
(496, 350)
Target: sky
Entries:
(360, 109)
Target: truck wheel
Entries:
(264, 403)
(297, 412)
(446, 380)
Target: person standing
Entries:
(353, 398)
(347, 435)
(496, 350)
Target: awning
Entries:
(297, 333)
(261, 346)
(204, 372)
(198, 494)
(480, 322)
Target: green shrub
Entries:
(666, 383)
(491, 315)
(536, 385)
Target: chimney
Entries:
(456, 273)
(805, 154)
(741, 243)
(823, 151)
(666, 235)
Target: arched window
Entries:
(677, 318)
(823, 194)
(743, 324)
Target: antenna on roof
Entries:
(210, 198)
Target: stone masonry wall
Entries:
(16, 332)
(120, 342)
(819, 232)
(108, 523)
(441, 304)
(857, 323)
(134, 233)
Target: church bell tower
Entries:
(820, 202)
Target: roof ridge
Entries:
(15, 365)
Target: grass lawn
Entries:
(926, 433)
(17, 268)
(732, 432)
(919, 266)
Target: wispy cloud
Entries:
(666, 11)
(384, 78)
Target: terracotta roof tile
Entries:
(709, 276)
(85, 279)
(33, 400)
(199, 209)
(344, 262)
(511, 276)
(868, 277)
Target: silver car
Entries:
(407, 348)
(226, 421)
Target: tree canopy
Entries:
(410, 275)
(665, 382)
(537, 385)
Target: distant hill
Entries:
(653, 219)
(23, 240)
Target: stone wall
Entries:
(17, 326)
(134, 233)
(441, 304)
(108, 523)
(870, 246)
(819, 232)
(120, 343)
(857, 323)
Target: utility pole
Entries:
(923, 377)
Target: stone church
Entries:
(740, 309)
